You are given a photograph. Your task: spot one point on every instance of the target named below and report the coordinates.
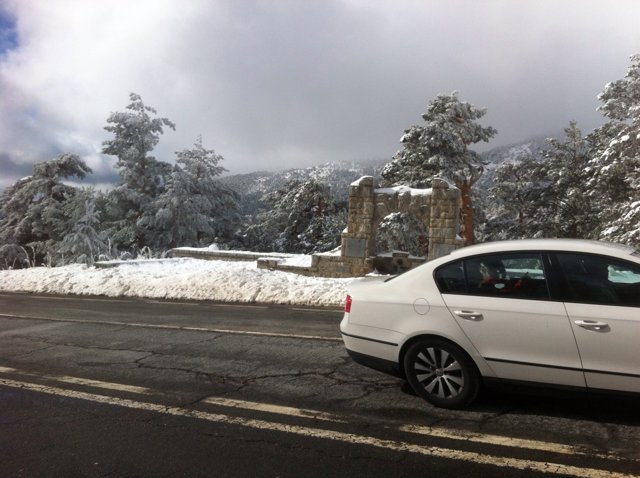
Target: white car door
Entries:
(604, 309)
(504, 308)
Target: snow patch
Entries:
(297, 261)
(405, 190)
(357, 181)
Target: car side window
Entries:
(515, 275)
(450, 278)
(602, 280)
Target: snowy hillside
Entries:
(336, 175)
(513, 153)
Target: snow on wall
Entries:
(404, 190)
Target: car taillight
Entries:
(347, 307)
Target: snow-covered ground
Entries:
(181, 279)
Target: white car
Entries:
(558, 312)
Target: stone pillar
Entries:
(358, 240)
(444, 221)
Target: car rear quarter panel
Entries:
(385, 311)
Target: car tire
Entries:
(441, 373)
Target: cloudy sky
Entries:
(271, 84)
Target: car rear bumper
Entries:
(371, 347)
(376, 363)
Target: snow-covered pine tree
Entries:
(515, 200)
(84, 243)
(565, 207)
(142, 177)
(324, 232)
(33, 215)
(403, 232)
(544, 198)
(195, 209)
(301, 217)
(14, 204)
(440, 147)
(13, 256)
(615, 166)
(306, 205)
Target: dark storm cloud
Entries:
(8, 34)
(335, 80)
(12, 171)
(274, 84)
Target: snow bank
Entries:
(182, 278)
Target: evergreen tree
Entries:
(33, 214)
(14, 204)
(84, 243)
(13, 256)
(301, 217)
(403, 232)
(565, 205)
(195, 209)
(324, 232)
(142, 177)
(515, 201)
(615, 166)
(440, 147)
(544, 198)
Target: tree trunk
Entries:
(467, 213)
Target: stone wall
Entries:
(438, 208)
(229, 256)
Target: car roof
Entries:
(574, 245)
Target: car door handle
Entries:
(592, 324)
(468, 314)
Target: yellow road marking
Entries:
(276, 409)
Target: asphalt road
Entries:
(110, 387)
